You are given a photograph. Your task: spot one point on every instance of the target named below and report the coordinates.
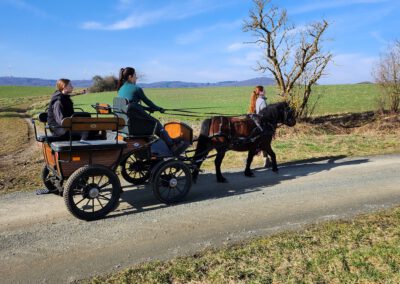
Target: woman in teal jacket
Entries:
(128, 89)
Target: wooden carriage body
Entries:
(65, 157)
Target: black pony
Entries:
(250, 133)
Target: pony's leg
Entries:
(218, 161)
(267, 163)
(202, 150)
(271, 153)
(250, 156)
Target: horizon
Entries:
(187, 41)
(72, 80)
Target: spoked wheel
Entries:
(134, 170)
(47, 179)
(92, 192)
(172, 182)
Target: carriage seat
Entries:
(48, 137)
(87, 145)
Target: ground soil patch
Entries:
(20, 159)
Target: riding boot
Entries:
(176, 147)
(167, 139)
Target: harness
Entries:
(220, 133)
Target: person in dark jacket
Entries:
(61, 106)
(128, 89)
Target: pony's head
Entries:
(278, 113)
(289, 115)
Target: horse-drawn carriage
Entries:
(84, 172)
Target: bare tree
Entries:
(387, 76)
(294, 56)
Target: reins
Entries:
(189, 113)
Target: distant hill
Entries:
(179, 84)
(37, 82)
(17, 81)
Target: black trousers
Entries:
(142, 123)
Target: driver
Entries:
(128, 89)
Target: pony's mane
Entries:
(271, 112)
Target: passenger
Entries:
(128, 89)
(61, 106)
(257, 100)
(258, 103)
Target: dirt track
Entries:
(41, 242)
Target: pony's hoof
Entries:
(249, 174)
(222, 180)
(275, 170)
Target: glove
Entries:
(161, 110)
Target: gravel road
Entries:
(41, 243)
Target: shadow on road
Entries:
(140, 198)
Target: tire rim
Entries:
(94, 192)
(173, 182)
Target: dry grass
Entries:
(20, 159)
(364, 250)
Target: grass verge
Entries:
(363, 250)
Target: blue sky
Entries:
(192, 40)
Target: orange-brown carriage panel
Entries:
(103, 108)
(133, 144)
(107, 158)
(179, 130)
(48, 155)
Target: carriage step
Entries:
(43, 191)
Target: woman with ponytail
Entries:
(257, 103)
(128, 89)
(257, 100)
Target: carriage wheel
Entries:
(47, 178)
(134, 170)
(172, 182)
(91, 192)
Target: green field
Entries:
(21, 91)
(333, 99)
(234, 100)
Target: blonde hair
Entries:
(62, 83)
(253, 98)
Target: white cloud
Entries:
(23, 5)
(133, 21)
(349, 68)
(379, 38)
(248, 59)
(236, 46)
(139, 17)
(198, 34)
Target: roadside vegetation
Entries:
(363, 250)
